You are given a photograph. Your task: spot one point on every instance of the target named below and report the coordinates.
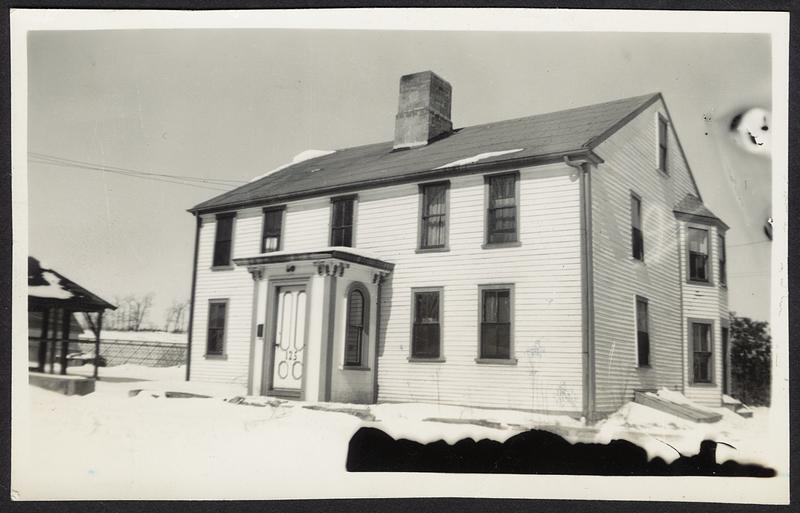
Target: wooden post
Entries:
(97, 343)
(42, 356)
(51, 342)
(67, 317)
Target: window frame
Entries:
(709, 281)
(421, 214)
(641, 299)
(722, 260)
(363, 352)
(229, 264)
(511, 360)
(691, 322)
(264, 212)
(637, 198)
(486, 208)
(222, 355)
(411, 357)
(661, 119)
(335, 199)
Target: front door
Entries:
(290, 330)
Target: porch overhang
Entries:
(327, 254)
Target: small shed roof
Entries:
(516, 140)
(692, 209)
(48, 288)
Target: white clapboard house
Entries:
(556, 262)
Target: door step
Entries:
(682, 410)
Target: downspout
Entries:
(377, 343)
(191, 299)
(587, 279)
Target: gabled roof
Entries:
(48, 288)
(690, 208)
(535, 138)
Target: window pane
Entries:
(636, 212)
(489, 306)
(643, 349)
(641, 315)
(272, 221)
(426, 341)
(427, 307)
(352, 348)
(224, 228)
(698, 241)
(501, 191)
(222, 241)
(356, 309)
(503, 306)
(270, 244)
(434, 199)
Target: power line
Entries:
(190, 181)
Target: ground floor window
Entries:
(217, 314)
(495, 329)
(426, 339)
(642, 333)
(701, 351)
(357, 318)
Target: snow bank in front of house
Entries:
(52, 290)
(300, 157)
(478, 157)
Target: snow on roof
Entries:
(476, 158)
(53, 289)
(300, 157)
(327, 249)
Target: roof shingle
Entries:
(554, 133)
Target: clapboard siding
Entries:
(704, 302)
(236, 286)
(545, 271)
(631, 166)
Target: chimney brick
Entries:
(424, 110)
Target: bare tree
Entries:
(176, 316)
(139, 306)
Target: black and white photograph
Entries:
(515, 253)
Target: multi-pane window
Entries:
(701, 352)
(342, 222)
(495, 324)
(215, 341)
(637, 239)
(433, 216)
(642, 333)
(662, 144)
(271, 235)
(427, 329)
(723, 272)
(501, 213)
(223, 240)
(698, 254)
(356, 306)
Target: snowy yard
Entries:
(113, 444)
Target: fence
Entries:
(116, 352)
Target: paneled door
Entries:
(289, 344)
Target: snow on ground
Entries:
(114, 444)
(137, 336)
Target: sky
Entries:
(234, 103)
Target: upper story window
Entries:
(356, 324)
(642, 333)
(426, 337)
(217, 314)
(496, 321)
(663, 134)
(273, 225)
(723, 272)
(698, 255)
(637, 238)
(501, 212)
(433, 216)
(223, 240)
(342, 221)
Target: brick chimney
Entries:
(424, 110)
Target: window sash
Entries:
(271, 236)
(501, 223)
(701, 353)
(355, 328)
(433, 219)
(222, 241)
(642, 333)
(426, 330)
(698, 254)
(723, 272)
(662, 144)
(342, 222)
(215, 342)
(496, 324)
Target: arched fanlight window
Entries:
(357, 316)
